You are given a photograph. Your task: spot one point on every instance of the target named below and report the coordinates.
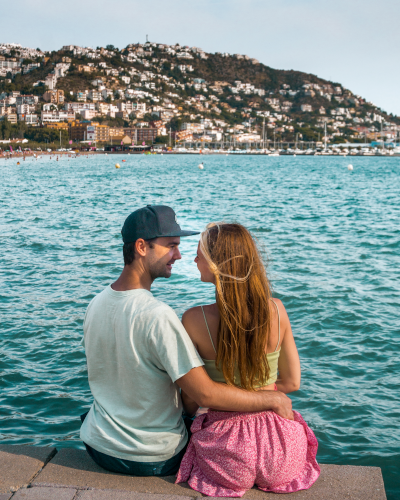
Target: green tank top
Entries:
(215, 374)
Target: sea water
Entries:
(332, 238)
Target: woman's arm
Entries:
(289, 361)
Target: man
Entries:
(139, 355)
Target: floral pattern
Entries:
(230, 452)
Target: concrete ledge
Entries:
(124, 495)
(34, 473)
(5, 496)
(19, 464)
(45, 494)
(75, 469)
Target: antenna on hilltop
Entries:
(147, 38)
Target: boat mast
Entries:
(263, 134)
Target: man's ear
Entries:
(140, 247)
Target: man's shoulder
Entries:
(160, 310)
(97, 298)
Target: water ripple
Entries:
(332, 239)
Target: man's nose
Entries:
(177, 254)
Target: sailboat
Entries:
(382, 152)
(325, 150)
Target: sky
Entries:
(352, 42)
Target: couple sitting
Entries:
(236, 357)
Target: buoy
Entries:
(201, 166)
(18, 163)
(117, 165)
(349, 167)
(123, 160)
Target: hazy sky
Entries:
(354, 42)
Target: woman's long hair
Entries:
(242, 293)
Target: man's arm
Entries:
(189, 405)
(206, 393)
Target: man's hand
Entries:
(282, 406)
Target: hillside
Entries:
(224, 93)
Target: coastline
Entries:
(202, 153)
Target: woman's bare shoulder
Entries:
(191, 319)
(283, 315)
(281, 307)
(192, 314)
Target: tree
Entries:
(45, 134)
(175, 124)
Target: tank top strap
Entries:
(209, 333)
(279, 324)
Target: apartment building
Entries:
(77, 106)
(11, 117)
(87, 114)
(77, 130)
(193, 127)
(27, 99)
(30, 119)
(58, 126)
(9, 63)
(81, 96)
(84, 68)
(95, 95)
(116, 133)
(51, 81)
(24, 109)
(139, 135)
(88, 131)
(57, 116)
(102, 133)
(54, 96)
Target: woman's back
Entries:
(202, 324)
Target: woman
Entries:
(245, 339)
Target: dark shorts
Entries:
(165, 468)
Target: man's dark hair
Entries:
(130, 253)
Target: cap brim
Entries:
(179, 233)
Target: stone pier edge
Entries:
(28, 472)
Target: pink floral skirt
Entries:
(230, 452)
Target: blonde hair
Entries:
(242, 294)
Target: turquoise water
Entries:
(333, 242)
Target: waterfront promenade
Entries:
(45, 473)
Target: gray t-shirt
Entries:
(136, 348)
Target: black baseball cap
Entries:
(152, 221)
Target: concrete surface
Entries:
(75, 469)
(19, 464)
(124, 495)
(45, 494)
